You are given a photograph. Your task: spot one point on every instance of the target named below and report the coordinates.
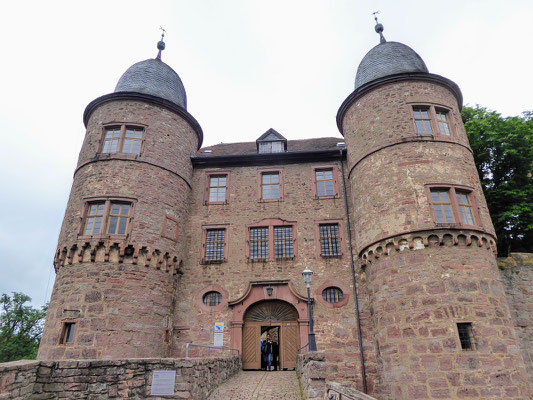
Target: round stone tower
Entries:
(442, 326)
(122, 238)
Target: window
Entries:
(442, 122)
(271, 239)
(259, 243)
(270, 186)
(324, 182)
(451, 204)
(95, 215)
(217, 188)
(422, 121)
(329, 240)
(212, 299)
(67, 333)
(430, 119)
(464, 329)
(465, 208)
(442, 205)
(332, 295)
(107, 217)
(215, 244)
(283, 242)
(122, 139)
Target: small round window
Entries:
(332, 294)
(212, 299)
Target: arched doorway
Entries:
(277, 316)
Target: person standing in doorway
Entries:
(268, 353)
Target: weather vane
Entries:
(379, 28)
(161, 44)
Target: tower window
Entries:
(122, 139)
(466, 336)
(453, 205)
(329, 240)
(442, 205)
(431, 120)
(442, 122)
(107, 217)
(67, 333)
(332, 294)
(423, 120)
(212, 299)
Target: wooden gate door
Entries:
(290, 343)
(251, 346)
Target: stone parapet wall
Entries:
(311, 369)
(109, 379)
(517, 276)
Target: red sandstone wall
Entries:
(335, 327)
(121, 298)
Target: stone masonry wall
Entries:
(417, 297)
(335, 327)
(112, 379)
(517, 275)
(311, 369)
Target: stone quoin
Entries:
(162, 238)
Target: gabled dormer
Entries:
(271, 142)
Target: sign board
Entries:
(163, 383)
(218, 339)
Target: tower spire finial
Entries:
(161, 44)
(379, 28)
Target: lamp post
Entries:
(307, 275)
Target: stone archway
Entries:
(279, 306)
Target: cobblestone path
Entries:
(259, 385)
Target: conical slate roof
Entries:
(155, 78)
(388, 58)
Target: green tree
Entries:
(21, 327)
(503, 152)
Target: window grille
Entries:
(332, 294)
(465, 335)
(212, 299)
(258, 243)
(283, 242)
(215, 242)
(329, 240)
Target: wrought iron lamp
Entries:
(308, 276)
(269, 290)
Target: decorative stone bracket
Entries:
(115, 251)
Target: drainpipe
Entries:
(354, 280)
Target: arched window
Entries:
(332, 294)
(212, 299)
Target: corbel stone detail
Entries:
(120, 252)
(421, 240)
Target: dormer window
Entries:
(271, 142)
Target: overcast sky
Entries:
(246, 66)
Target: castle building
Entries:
(163, 238)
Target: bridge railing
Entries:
(302, 351)
(339, 393)
(209, 349)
